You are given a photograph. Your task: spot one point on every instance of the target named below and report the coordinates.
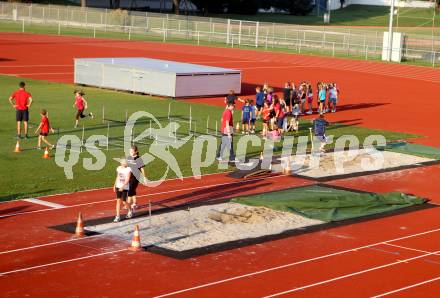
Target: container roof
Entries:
(161, 65)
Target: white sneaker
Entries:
(134, 206)
(91, 115)
(129, 214)
(309, 113)
(117, 219)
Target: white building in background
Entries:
(336, 4)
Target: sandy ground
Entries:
(206, 225)
(348, 162)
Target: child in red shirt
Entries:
(80, 105)
(44, 128)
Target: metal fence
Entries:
(419, 46)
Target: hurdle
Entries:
(189, 120)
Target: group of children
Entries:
(281, 114)
(21, 101)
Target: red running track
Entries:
(396, 256)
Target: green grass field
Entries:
(27, 174)
(353, 15)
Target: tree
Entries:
(176, 6)
(115, 3)
(295, 7)
(210, 6)
(243, 6)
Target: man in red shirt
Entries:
(21, 101)
(227, 130)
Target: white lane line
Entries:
(48, 244)
(408, 248)
(350, 275)
(233, 278)
(44, 203)
(407, 287)
(61, 262)
(146, 195)
(293, 264)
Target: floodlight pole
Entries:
(390, 32)
(329, 9)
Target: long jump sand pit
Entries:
(205, 226)
(351, 162)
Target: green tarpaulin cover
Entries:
(329, 204)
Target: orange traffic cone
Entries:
(79, 231)
(46, 153)
(17, 147)
(136, 242)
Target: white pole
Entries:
(59, 28)
(129, 33)
(22, 26)
(82, 139)
(390, 32)
(126, 116)
(108, 134)
(169, 110)
(190, 121)
(94, 32)
(164, 32)
(257, 29)
(103, 114)
(228, 31)
(239, 33)
(207, 125)
(195, 129)
(216, 127)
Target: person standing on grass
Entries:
(227, 130)
(319, 127)
(322, 96)
(259, 100)
(332, 98)
(279, 114)
(121, 189)
(231, 98)
(254, 112)
(287, 94)
(310, 99)
(80, 105)
(136, 165)
(44, 128)
(21, 101)
(266, 118)
(246, 117)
